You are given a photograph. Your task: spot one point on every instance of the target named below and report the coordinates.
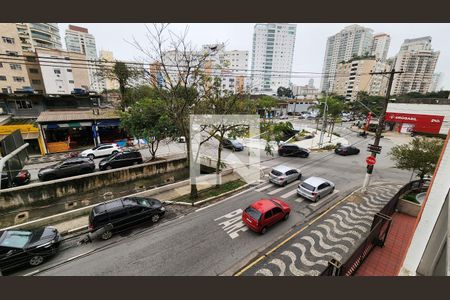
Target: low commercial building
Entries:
(430, 116)
(68, 130)
(296, 106)
(29, 131)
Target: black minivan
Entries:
(117, 215)
(121, 159)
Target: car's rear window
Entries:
(276, 173)
(253, 213)
(15, 239)
(307, 186)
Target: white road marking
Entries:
(283, 188)
(32, 273)
(264, 187)
(233, 223)
(76, 256)
(288, 194)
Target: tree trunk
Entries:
(219, 159)
(194, 191)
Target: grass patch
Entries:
(329, 147)
(212, 191)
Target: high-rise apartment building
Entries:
(108, 57)
(354, 76)
(380, 46)
(418, 61)
(13, 72)
(352, 41)
(436, 82)
(79, 40)
(272, 57)
(44, 35)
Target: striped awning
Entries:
(67, 125)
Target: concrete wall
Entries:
(85, 189)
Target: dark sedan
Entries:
(27, 248)
(22, 178)
(68, 167)
(232, 144)
(346, 150)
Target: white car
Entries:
(101, 150)
(283, 117)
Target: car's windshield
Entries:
(15, 239)
(253, 213)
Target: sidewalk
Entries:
(336, 234)
(82, 222)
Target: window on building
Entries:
(34, 71)
(15, 67)
(71, 81)
(12, 53)
(2, 78)
(8, 40)
(1, 65)
(23, 104)
(69, 70)
(30, 58)
(36, 81)
(57, 71)
(18, 79)
(4, 90)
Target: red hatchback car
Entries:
(265, 213)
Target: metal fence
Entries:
(378, 233)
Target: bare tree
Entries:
(182, 70)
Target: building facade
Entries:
(45, 35)
(354, 76)
(62, 71)
(108, 57)
(352, 41)
(272, 57)
(418, 61)
(380, 46)
(436, 82)
(79, 40)
(305, 91)
(13, 72)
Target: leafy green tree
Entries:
(277, 132)
(146, 119)
(284, 92)
(266, 104)
(420, 155)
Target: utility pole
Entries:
(324, 121)
(375, 147)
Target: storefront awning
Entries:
(106, 123)
(67, 125)
(25, 136)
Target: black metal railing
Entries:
(377, 236)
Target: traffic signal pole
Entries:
(375, 147)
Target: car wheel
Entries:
(317, 198)
(135, 163)
(115, 152)
(106, 235)
(286, 216)
(108, 168)
(155, 218)
(91, 156)
(264, 230)
(284, 183)
(332, 190)
(299, 176)
(36, 260)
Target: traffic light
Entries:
(369, 169)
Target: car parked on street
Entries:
(120, 214)
(315, 188)
(101, 150)
(283, 117)
(22, 247)
(121, 159)
(292, 150)
(232, 144)
(66, 168)
(264, 213)
(282, 175)
(345, 150)
(22, 178)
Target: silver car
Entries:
(282, 175)
(315, 188)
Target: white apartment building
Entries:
(380, 46)
(44, 35)
(418, 61)
(79, 40)
(272, 57)
(436, 82)
(353, 40)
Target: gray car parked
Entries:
(283, 175)
(66, 168)
(315, 188)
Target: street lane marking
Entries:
(233, 223)
(32, 273)
(264, 187)
(282, 188)
(288, 194)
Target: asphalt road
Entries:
(212, 240)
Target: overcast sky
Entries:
(309, 46)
